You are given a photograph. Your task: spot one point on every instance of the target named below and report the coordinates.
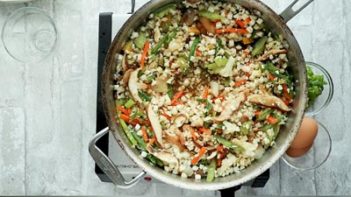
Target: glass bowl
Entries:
(29, 35)
(316, 156)
(325, 98)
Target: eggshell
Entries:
(297, 152)
(306, 134)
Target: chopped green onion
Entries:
(140, 142)
(164, 41)
(259, 46)
(193, 47)
(163, 11)
(213, 16)
(128, 132)
(144, 96)
(130, 103)
(211, 171)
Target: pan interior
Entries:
(287, 133)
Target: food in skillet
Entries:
(202, 89)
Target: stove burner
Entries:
(105, 38)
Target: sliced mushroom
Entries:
(155, 123)
(229, 107)
(271, 52)
(207, 24)
(133, 85)
(167, 158)
(175, 140)
(180, 120)
(126, 76)
(269, 101)
(189, 17)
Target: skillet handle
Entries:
(289, 13)
(107, 166)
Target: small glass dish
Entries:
(327, 95)
(29, 35)
(317, 154)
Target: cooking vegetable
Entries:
(315, 86)
(197, 158)
(193, 47)
(208, 25)
(231, 30)
(259, 46)
(246, 127)
(213, 16)
(128, 132)
(130, 103)
(163, 42)
(144, 55)
(177, 96)
(140, 41)
(163, 11)
(144, 96)
(140, 142)
(211, 171)
(225, 142)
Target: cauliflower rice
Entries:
(202, 88)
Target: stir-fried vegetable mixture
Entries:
(202, 88)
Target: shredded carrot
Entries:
(231, 30)
(167, 116)
(123, 110)
(271, 77)
(257, 113)
(206, 92)
(247, 20)
(272, 120)
(198, 53)
(240, 23)
(177, 96)
(145, 136)
(240, 83)
(286, 96)
(152, 141)
(144, 54)
(220, 148)
(197, 158)
(205, 131)
(219, 163)
(124, 117)
(193, 134)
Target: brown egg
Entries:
(297, 152)
(306, 134)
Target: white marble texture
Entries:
(47, 109)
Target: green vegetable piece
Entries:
(218, 65)
(130, 103)
(193, 47)
(140, 142)
(219, 45)
(163, 11)
(225, 142)
(213, 16)
(140, 41)
(144, 96)
(315, 86)
(120, 102)
(246, 127)
(259, 46)
(182, 63)
(128, 132)
(154, 160)
(170, 92)
(164, 41)
(264, 114)
(211, 171)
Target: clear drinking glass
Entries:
(29, 34)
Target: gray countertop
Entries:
(47, 109)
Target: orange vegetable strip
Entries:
(220, 148)
(176, 97)
(240, 83)
(144, 54)
(231, 30)
(167, 116)
(198, 52)
(206, 92)
(124, 117)
(197, 158)
(205, 130)
(272, 120)
(123, 110)
(240, 23)
(145, 136)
